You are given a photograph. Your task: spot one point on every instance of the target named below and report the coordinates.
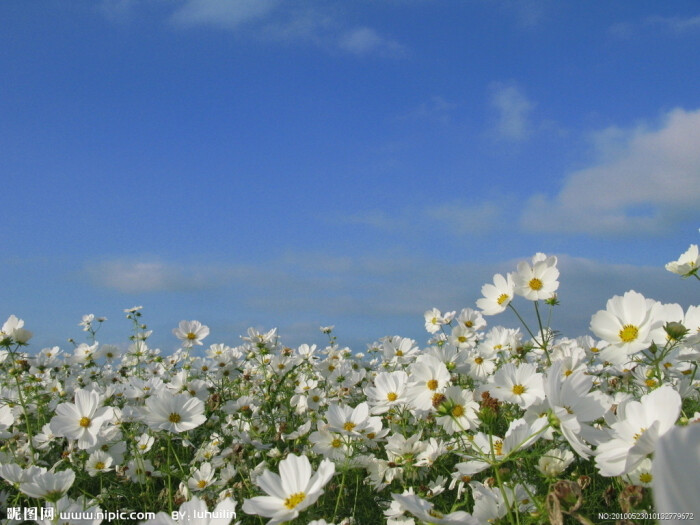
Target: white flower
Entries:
(538, 281)
(191, 333)
(48, 485)
(573, 404)
(676, 472)
(687, 264)
(14, 329)
(521, 385)
(638, 426)
(99, 461)
(388, 391)
(554, 462)
(460, 409)
(497, 296)
(627, 322)
(293, 490)
(424, 511)
(174, 413)
(201, 478)
(81, 420)
(429, 378)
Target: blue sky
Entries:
(286, 164)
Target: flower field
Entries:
(482, 424)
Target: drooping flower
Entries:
(81, 420)
(296, 488)
(48, 485)
(638, 427)
(425, 511)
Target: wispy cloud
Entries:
(365, 40)
(228, 14)
(674, 24)
(514, 111)
(139, 276)
(437, 109)
(645, 181)
(319, 24)
(469, 219)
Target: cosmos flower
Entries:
(48, 485)
(174, 413)
(296, 488)
(638, 427)
(191, 333)
(627, 322)
(521, 385)
(425, 511)
(687, 264)
(81, 420)
(538, 281)
(497, 296)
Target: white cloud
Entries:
(365, 40)
(677, 25)
(319, 24)
(466, 219)
(228, 14)
(129, 276)
(514, 113)
(646, 180)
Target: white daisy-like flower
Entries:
(627, 322)
(638, 426)
(554, 462)
(521, 385)
(174, 413)
(687, 264)
(425, 511)
(497, 296)
(191, 333)
(48, 485)
(81, 420)
(202, 477)
(296, 488)
(538, 281)
(388, 391)
(99, 461)
(428, 379)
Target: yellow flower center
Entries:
(645, 477)
(502, 298)
(84, 422)
(201, 483)
(432, 384)
(435, 514)
(478, 360)
(175, 417)
(348, 426)
(650, 382)
(336, 443)
(535, 284)
(294, 500)
(99, 465)
(468, 324)
(637, 436)
(629, 333)
(392, 396)
(191, 336)
(498, 447)
(568, 373)
(399, 353)
(518, 389)
(458, 411)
